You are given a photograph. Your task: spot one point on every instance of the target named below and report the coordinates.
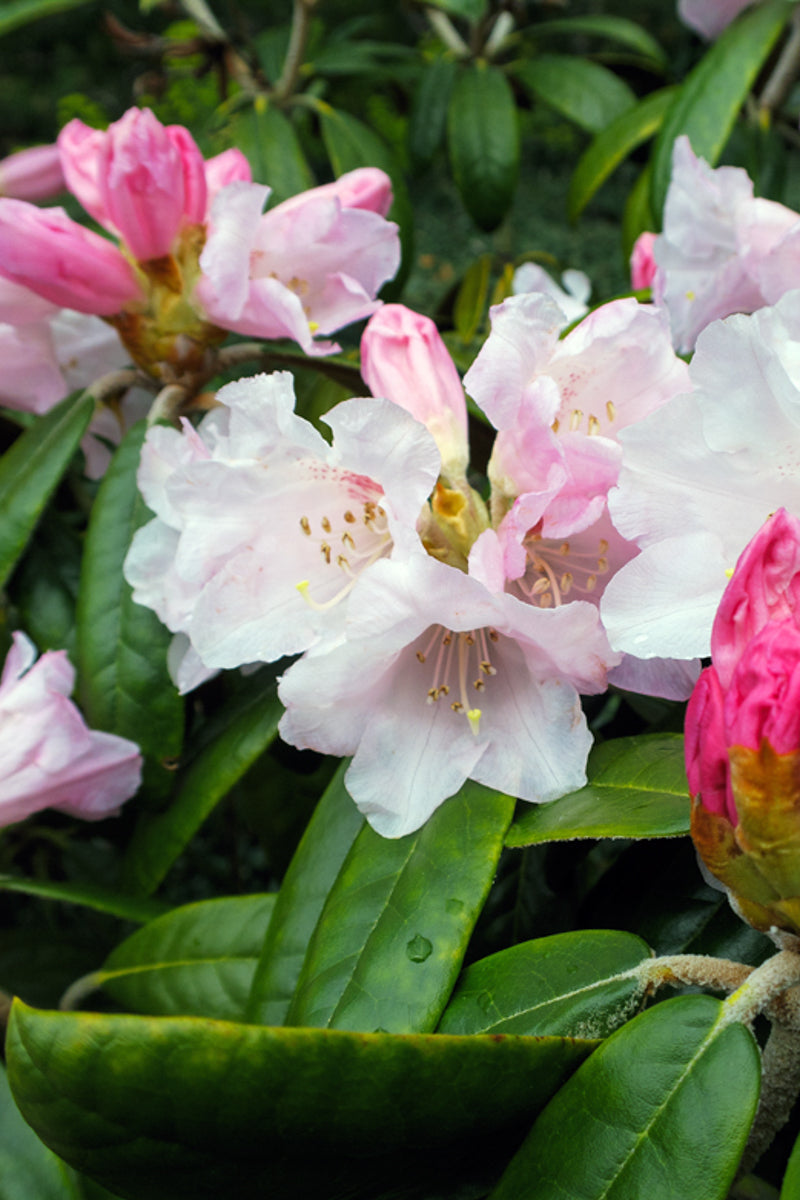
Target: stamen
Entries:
(350, 517)
(325, 550)
(591, 583)
(611, 411)
(440, 686)
(555, 426)
(575, 420)
(594, 426)
(305, 525)
(326, 525)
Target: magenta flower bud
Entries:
(765, 587)
(46, 251)
(707, 765)
(367, 188)
(81, 148)
(643, 265)
(152, 180)
(763, 701)
(230, 166)
(33, 174)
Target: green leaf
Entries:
(470, 302)
(20, 12)
(197, 960)
(581, 984)
(88, 895)
(268, 139)
(638, 215)
(176, 1108)
(349, 144)
(363, 57)
(617, 29)
(583, 91)
(394, 928)
(246, 728)
(709, 100)
(483, 142)
(637, 788)
(661, 1110)
(312, 873)
(613, 145)
(124, 684)
(32, 469)
(28, 1170)
(470, 10)
(45, 586)
(428, 119)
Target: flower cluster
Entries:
(441, 639)
(743, 733)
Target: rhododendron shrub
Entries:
(418, 686)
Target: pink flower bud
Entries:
(151, 181)
(229, 167)
(707, 765)
(46, 251)
(404, 359)
(81, 149)
(33, 174)
(763, 701)
(643, 265)
(367, 188)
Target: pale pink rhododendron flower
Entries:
(197, 255)
(722, 250)
(262, 528)
(442, 674)
(699, 477)
(572, 298)
(48, 756)
(710, 17)
(33, 174)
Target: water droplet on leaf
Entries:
(419, 948)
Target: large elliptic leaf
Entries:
(661, 1110)
(637, 788)
(584, 984)
(483, 141)
(177, 1108)
(32, 469)
(428, 119)
(708, 102)
(312, 872)
(28, 1170)
(124, 684)
(243, 732)
(88, 895)
(20, 12)
(581, 90)
(395, 926)
(197, 960)
(617, 29)
(613, 144)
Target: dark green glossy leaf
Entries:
(45, 587)
(661, 1110)
(637, 788)
(583, 91)
(28, 1170)
(350, 144)
(272, 147)
(197, 960)
(32, 469)
(176, 1108)
(613, 145)
(617, 29)
(362, 57)
(127, 908)
(20, 12)
(581, 984)
(708, 102)
(395, 926)
(124, 684)
(311, 875)
(483, 141)
(428, 119)
(245, 730)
